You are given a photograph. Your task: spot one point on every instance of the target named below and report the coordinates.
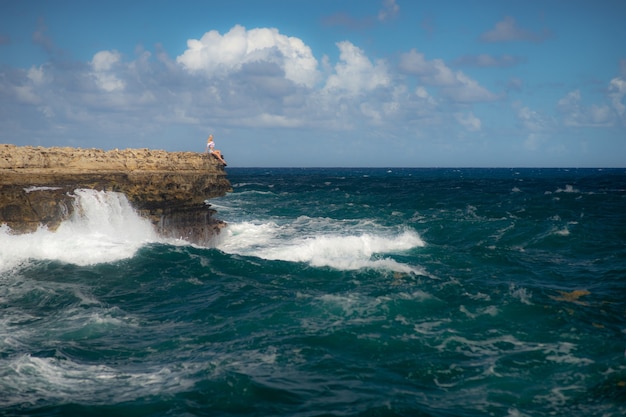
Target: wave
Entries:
(103, 228)
(317, 243)
(568, 189)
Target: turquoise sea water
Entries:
(332, 292)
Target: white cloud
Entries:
(26, 92)
(152, 94)
(263, 81)
(415, 63)
(103, 65)
(575, 114)
(105, 60)
(374, 116)
(355, 73)
(455, 85)
(421, 92)
(468, 90)
(532, 120)
(424, 97)
(219, 55)
(536, 126)
(617, 91)
(36, 75)
(507, 30)
(26, 95)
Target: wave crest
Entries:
(349, 250)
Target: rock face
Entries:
(169, 188)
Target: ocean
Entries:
(331, 292)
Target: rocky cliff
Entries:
(169, 188)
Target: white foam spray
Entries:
(103, 228)
(319, 243)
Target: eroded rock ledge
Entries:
(169, 188)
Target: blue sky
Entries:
(351, 83)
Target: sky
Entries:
(324, 83)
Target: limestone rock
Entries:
(169, 188)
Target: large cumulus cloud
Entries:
(217, 55)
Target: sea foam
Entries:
(318, 246)
(30, 379)
(103, 228)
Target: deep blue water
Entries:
(332, 292)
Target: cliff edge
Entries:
(169, 188)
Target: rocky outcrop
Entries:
(169, 188)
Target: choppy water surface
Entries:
(332, 292)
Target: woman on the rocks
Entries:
(210, 148)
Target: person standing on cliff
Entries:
(210, 148)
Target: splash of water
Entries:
(103, 228)
(349, 250)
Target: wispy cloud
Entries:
(453, 84)
(617, 92)
(576, 114)
(41, 38)
(389, 11)
(507, 30)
